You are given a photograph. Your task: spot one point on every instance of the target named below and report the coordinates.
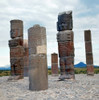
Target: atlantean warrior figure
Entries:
(65, 45)
(16, 50)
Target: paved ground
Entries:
(82, 88)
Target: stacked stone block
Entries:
(38, 77)
(65, 45)
(16, 49)
(89, 54)
(54, 62)
(26, 57)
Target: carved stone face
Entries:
(16, 33)
(12, 33)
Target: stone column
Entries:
(54, 62)
(16, 49)
(89, 54)
(26, 58)
(38, 74)
(65, 45)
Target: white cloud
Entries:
(45, 13)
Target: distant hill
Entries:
(83, 65)
(80, 65)
(6, 67)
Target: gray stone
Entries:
(38, 72)
(65, 36)
(38, 77)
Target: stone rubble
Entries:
(83, 88)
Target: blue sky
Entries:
(45, 12)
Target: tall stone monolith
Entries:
(89, 54)
(65, 40)
(54, 64)
(38, 74)
(26, 57)
(16, 49)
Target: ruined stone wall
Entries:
(38, 78)
(16, 48)
(89, 54)
(54, 63)
(66, 45)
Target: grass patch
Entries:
(5, 73)
(77, 71)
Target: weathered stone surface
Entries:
(90, 70)
(36, 36)
(54, 63)
(26, 58)
(37, 40)
(16, 50)
(89, 55)
(54, 69)
(37, 49)
(16, 28)
(38, 77)
(62, 66)
(17, 66)
(54, 58)
(69, 60)
(64, 36)
(66, 49)
(16, 42)
(89, 58)
(64, 21)
(65, 40)
(88, 47)
(87, 35)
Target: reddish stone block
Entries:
(69, 60)
(89, 58)
(16, 33)
(87, 34)
(16, 42)
(62, 66)
(54, 69)
(69, 66)
(17, 61)
(16, 28)
(70, 71)
(90, 70)
(88, 47)
(16, 51)
(66, 49)
(54, 58)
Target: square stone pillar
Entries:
(38, 73)
(89, 54)
(54, 64)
